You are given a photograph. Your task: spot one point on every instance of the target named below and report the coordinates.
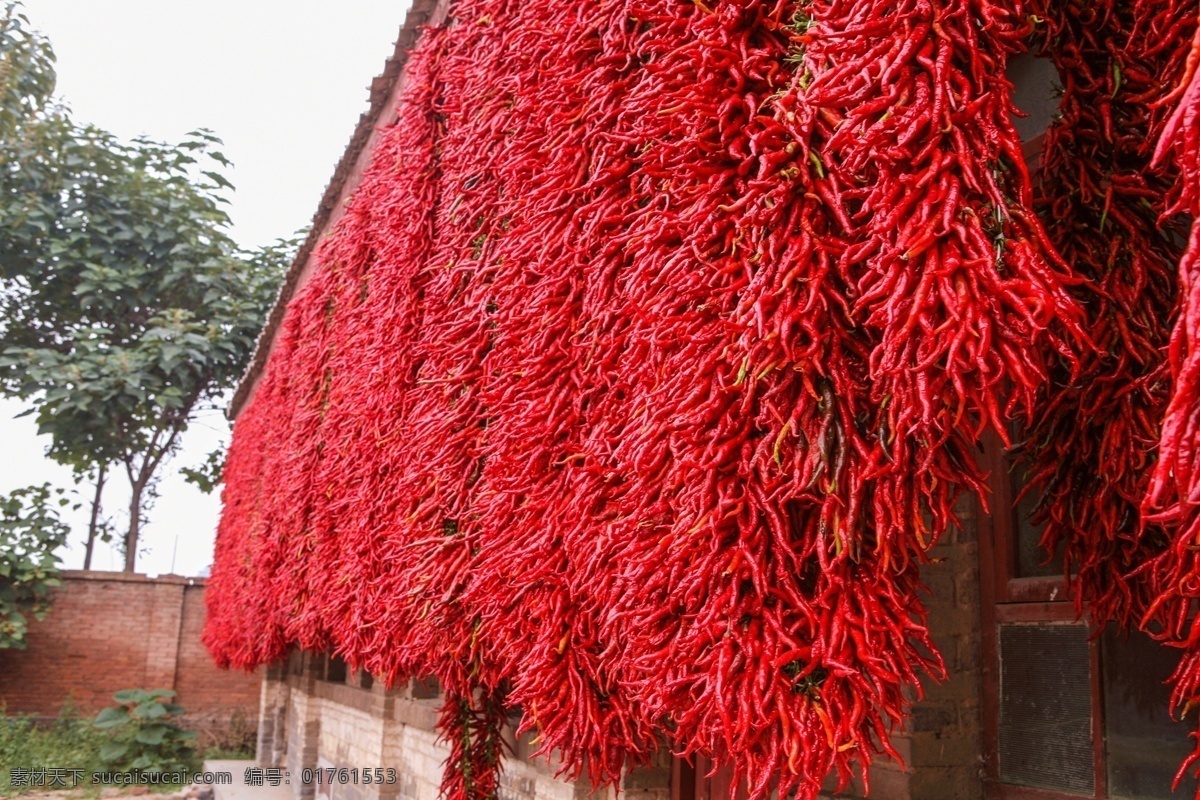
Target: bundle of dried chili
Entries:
(1173, 492)
(471, 724)
(1091, 446)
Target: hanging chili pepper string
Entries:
(1172, 493)
(1091, 447)
(471, 723)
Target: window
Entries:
(1066, 714)
(331, 668)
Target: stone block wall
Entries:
(310, 722)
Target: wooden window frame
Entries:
(1007, 598)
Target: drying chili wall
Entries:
(315, 570)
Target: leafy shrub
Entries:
(143, 734)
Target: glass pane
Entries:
(1145, 746)
(1046, 707)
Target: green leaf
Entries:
(151, 709)
(131, 696)
(111, 717)
(152, 734)
(112, 751)
(218, 179)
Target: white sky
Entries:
(283, 83)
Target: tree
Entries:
(30, 533)
(27, 117)
(125, 307)
(207, 476)
(27, 74)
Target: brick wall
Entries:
(944, 737)
(109, 631)
(941, 743)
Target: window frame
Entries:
(1007, 598)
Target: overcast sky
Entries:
(283, 83)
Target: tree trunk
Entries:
(91, 540)
(135, 522)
